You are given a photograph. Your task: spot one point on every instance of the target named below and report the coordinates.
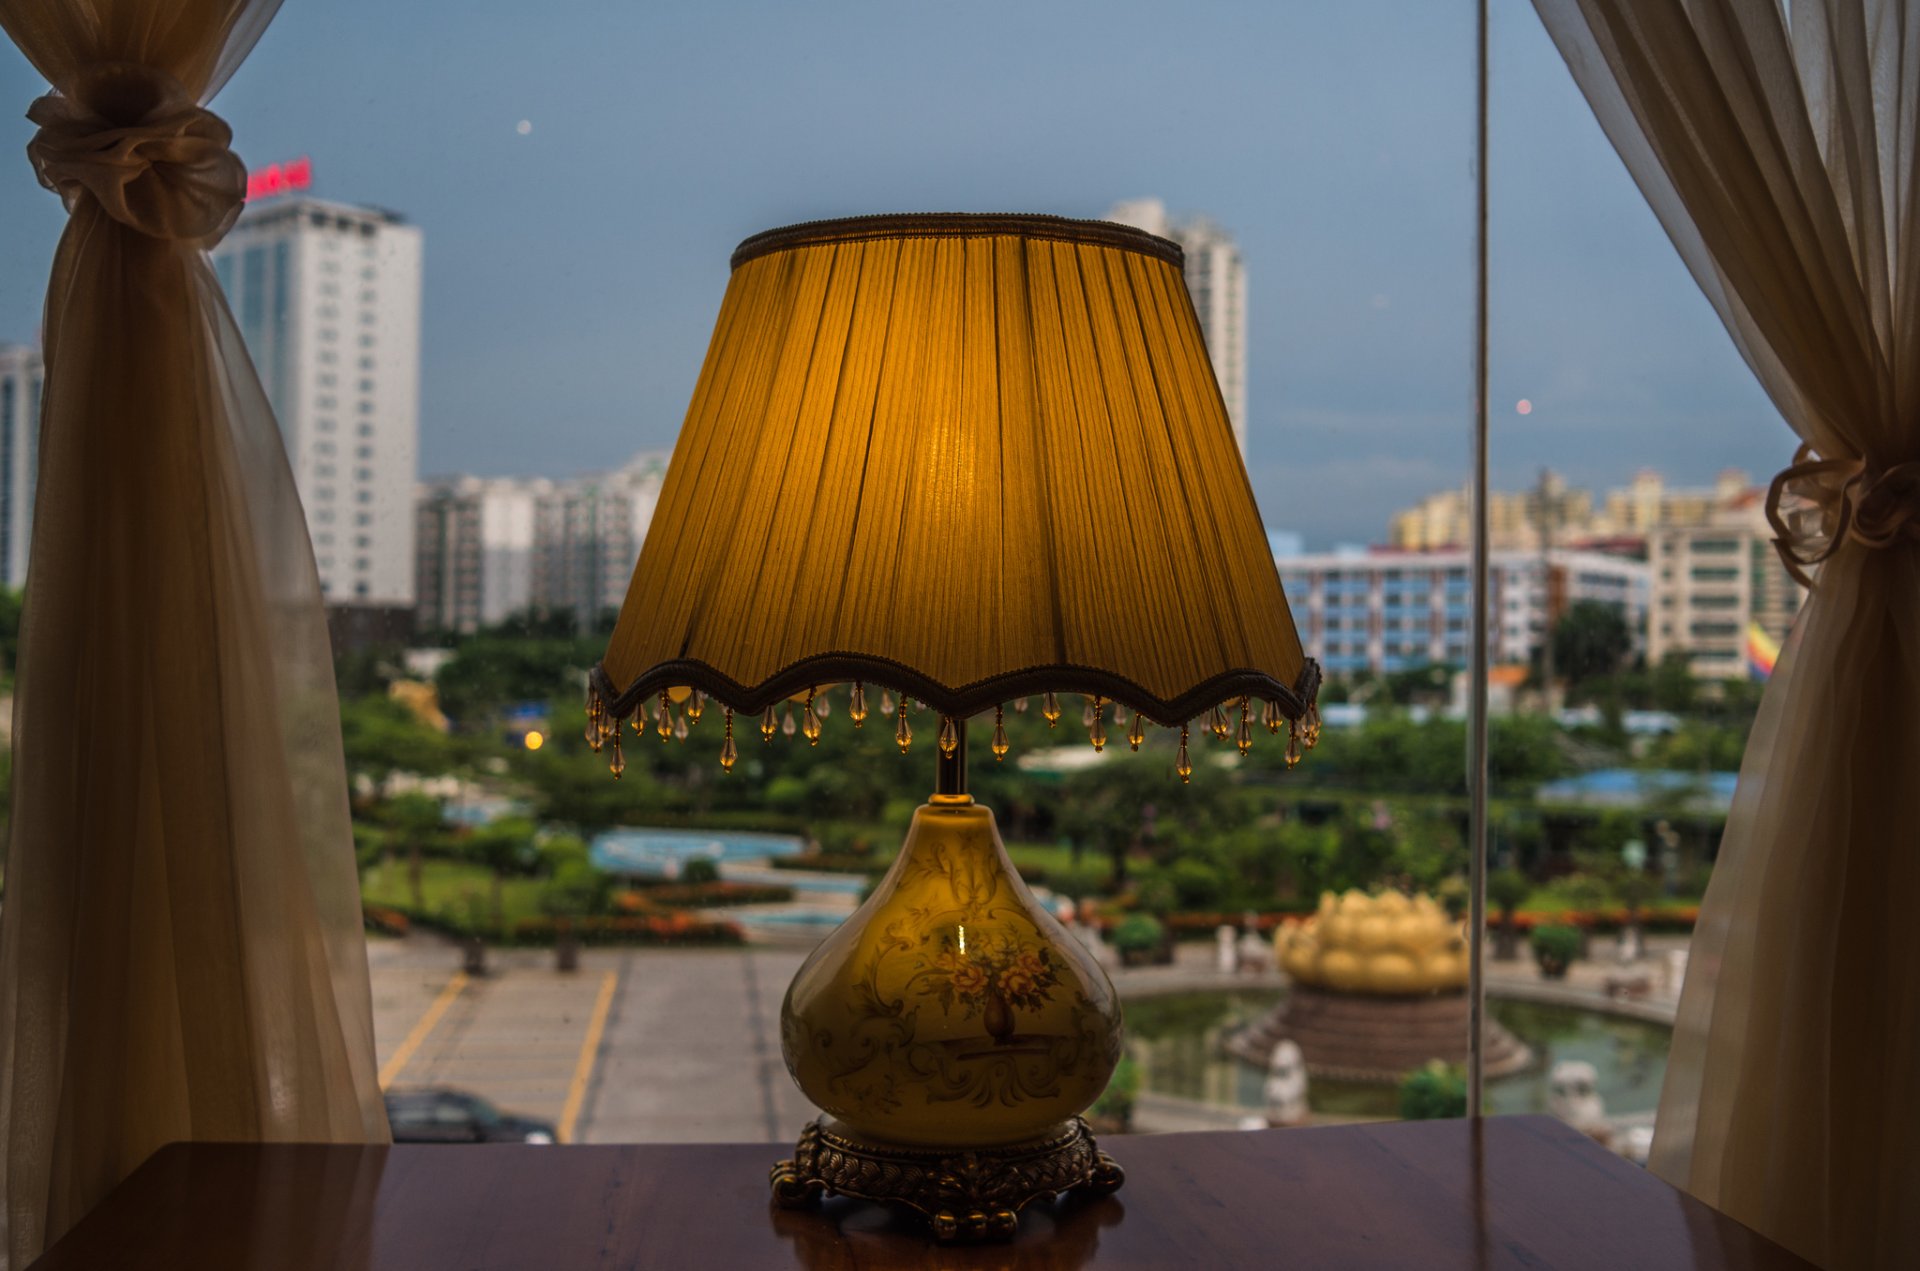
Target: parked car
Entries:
(439, 1115)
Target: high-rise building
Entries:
(1388, 611)
(474, 551)
(1514, 518)
(489, 549)
(327, 297)
(21, 376)
(1714, 585)
(1217, 281)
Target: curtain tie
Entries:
(1815, 505)
(153, 158)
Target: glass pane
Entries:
(1639, 603)
(479, 286)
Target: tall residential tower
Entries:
(1217, 280)
(327, 297)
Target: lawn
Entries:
(458, 889)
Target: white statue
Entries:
(1256, 955)
(1226, 948)
(1628, 951)
(1573, 1095)
(1286, 1087)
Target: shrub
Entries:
(1155, 895)
(837, 863)
(1554, 948)
(671, 929)
(700, 870)
(1433, 1093)
(386, 921)
(1196, 884)
(715, 894)
(1138, 933)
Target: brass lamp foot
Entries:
(965, 1194)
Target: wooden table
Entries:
(1512, 1191)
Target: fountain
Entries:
(1377, 988)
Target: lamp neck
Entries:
(950, 782)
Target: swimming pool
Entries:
(663, 852)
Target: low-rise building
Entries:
(1385, 610)
(1715, 587)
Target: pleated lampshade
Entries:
(967, 457)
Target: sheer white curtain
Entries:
(1778, 145)
(180, 947)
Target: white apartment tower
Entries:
(21, 376)
(473, 548)
(1217, 280)
(489, 549)
(327, 297)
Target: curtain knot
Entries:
(153, 158)
(1815, 505)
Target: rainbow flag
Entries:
(1762, 652)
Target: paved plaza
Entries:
(637, 1046)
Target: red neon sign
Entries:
(280, 178)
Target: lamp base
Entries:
(965, 1194)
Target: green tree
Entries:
(417, 821)
(505, 847)
(1507, 888)
(1591, 640)
(382, 737)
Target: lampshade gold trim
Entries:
(895, 225)
(970, 699)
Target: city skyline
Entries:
(578, 262)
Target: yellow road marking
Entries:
(397, 1062)
(589, 1054)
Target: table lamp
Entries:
(966, 459)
